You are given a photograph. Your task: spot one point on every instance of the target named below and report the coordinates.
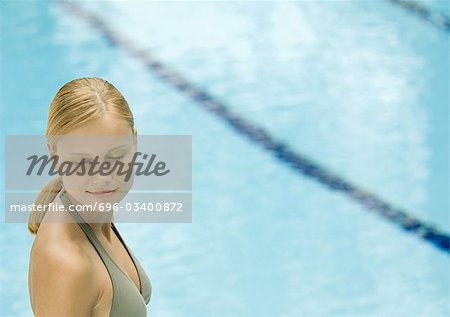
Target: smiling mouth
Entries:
(105, 192)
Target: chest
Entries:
(121, 257)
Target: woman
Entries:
(79, 263)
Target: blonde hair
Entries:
(76, 103)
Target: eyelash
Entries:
(119, 157)
(88, 161)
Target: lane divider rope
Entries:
(282, 151)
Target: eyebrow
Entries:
(117, 147)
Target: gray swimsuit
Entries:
(127, 299)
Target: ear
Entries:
(135, 138)
(52, 152)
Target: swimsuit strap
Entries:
(86, 228)
(127, 299)
(106, 258)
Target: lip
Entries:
(103, 193)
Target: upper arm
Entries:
(62, 284)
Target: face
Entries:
(105, 140)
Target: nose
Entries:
(101, 177)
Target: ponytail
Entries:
(45, 197)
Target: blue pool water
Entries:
(359, 87)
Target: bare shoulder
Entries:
(63, 257)
(62, 276)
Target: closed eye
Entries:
(82, 161)
(90, 161)
(116, 158)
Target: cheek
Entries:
(122, 166)
(120, 179)
(75, 186)
(75, 183)
(128, 158)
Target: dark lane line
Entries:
(435, 17)
(263, 138)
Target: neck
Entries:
(99, 221)
(102, 229)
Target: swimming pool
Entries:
(359, 88)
